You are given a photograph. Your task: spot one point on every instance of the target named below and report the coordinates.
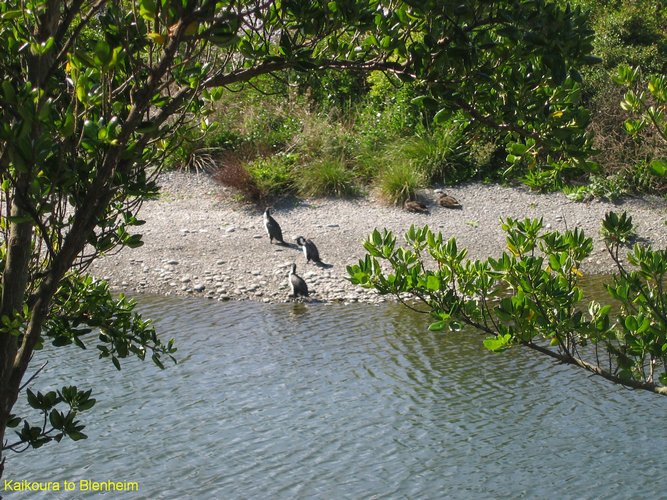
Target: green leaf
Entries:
(87, 405)
(659, 167)
(32, 399)
(77, 435)
(56, 418)
(433, 283)
(147, 9)
(499, 343)
(442, 116)
(9, 92)
(103, 52)
(518, 148)
(437, 326)
(11, 14)
(631, 323)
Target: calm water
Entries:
(323, 401)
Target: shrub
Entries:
(322, 136)
(388, 111)
(232, 173)
(332, 90)
(326, 177)
(611, 187)
(631, 33)
(642, 179)
(272, 175)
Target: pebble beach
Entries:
(200, 240)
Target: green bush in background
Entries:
(343, 131)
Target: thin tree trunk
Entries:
(14, 281)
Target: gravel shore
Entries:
(200, 241)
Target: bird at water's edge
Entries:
(272, 227)
(297, 284)
(309, 249)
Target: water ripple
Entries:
(312, 401)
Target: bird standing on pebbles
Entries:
(297, 284)
(415, 206)
(447, 201)
(309, 249)
(272, 227)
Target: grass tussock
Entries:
(326, 177)
(398, 182)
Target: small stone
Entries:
(185, 279)
(230, 230)
(199, 287)
(333, 225)
(258, 236)
(172, 262)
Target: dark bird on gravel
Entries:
(309, 249)
(415, 206)
(272, 227)
(447, 201)
(297, 284)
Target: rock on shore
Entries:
(200, 241)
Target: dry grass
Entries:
(232, 172)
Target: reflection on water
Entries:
(317, 401)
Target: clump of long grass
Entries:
(439, 156)
(326, 177)
(398, 182)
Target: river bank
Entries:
(199, 240)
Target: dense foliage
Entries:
(531, 295)
(373, 121)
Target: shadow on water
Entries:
(330, 401)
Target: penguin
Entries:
(415, 206)
(297, 284)
(447, 201)
(309, 249)
(272, 227)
